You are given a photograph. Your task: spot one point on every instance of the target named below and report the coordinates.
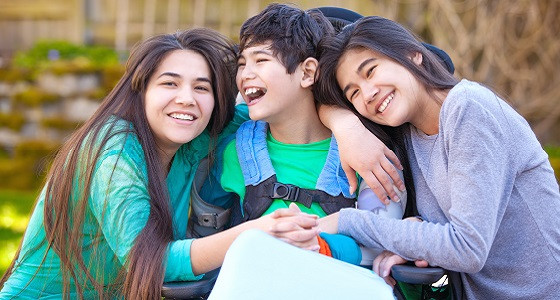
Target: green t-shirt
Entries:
(298, 164)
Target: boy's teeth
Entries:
(250, 91)
(383, 105)
(254, 92)
(182, 116)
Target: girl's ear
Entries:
(417, 58)
(309, 68)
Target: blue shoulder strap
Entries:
(253, 152)
(332, 179)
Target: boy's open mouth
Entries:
(254, 93)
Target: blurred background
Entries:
(59, 58)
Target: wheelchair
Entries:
(423, 278)
(405, 274)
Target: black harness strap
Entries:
(258, 199)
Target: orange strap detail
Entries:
(325, 249)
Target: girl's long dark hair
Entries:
(392, 40)
(142, 275)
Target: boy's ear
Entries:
(309, 68)
(417, 58)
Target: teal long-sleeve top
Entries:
(117, 210)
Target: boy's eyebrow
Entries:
(358, 70)
(255, 52)
(261, 51)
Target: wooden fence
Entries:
(512, 45)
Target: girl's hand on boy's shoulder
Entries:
(362, 152)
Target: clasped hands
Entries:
(294, 227)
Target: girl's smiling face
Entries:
(179, 100)
(379, 88)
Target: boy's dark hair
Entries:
(293, 33)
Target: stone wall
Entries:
(73, 102)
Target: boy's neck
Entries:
(301, 126)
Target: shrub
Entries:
(554, 156)
(110, 76)
(34, 149)
(555, 162)
(60, 123)
(14, 120)
(13, 75)
(34, 97)
(20, 174)
(49, 54)
(27, 169)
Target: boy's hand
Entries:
(362, 152)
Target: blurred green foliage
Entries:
(60, 123)
(63, 56)
(13, 121)
(13, 75)
(34, 96)
(110, 76)
(554, 157)
(15, 207)
(27, 167)
(34, 149)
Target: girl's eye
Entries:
(353, 94)
(169, 83)
(369, 71)
(202, 88)
(240, 64)
(261, 60)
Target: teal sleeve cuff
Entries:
(178, 267)
(343, 247)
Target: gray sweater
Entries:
(489, 198)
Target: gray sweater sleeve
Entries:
(465, 178)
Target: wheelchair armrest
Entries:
(416, 275)
(190, 289)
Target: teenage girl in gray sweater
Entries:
(487, 198)
(484, 186)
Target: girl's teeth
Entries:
(182, 116)
(383, 105)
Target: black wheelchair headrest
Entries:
(340, 17)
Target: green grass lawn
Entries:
(15, 207)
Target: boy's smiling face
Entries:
(265, 85)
